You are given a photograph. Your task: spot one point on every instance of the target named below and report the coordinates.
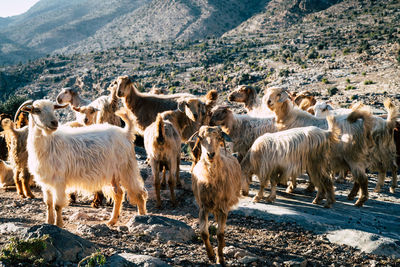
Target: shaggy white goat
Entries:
(355, 141)
(277, 156)
(85, 159)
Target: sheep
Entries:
(71, 97)
(383, 155)
(16, 140)
(6, 174)
(88, 159)
(145, 107)
(163, 146)
(248, 95)
(216, 184)
(242, 129)
(356, 139)
(277, 156)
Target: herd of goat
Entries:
(282, 136)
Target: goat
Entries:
(163, 146)
(87, 159)
(277, 156)
(356, 139)
(3, 143)
(16, 140)
(383, 155)
(145, 107)
(71, 97)
(248, 96)
(216, 184)
(242, 129)
(6, 174)
(300, 97)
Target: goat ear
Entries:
(284, 97)
(57, 106)
(224, 136)
(181, 105)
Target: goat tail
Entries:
(360, 112)
(334, 129)
(127, 116)
(392, 113)
(160, 136)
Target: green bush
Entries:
(28, 251)
(368, 82)
(349, 87)
(324, 81)
(333, 91)
(11, 105)
(96, 259)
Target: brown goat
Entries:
(3, 144)
(16, 142)
(145, 107)
(216, 184)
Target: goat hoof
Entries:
(351, 197)
(377, 189)
(289, 190)
(270, 199)
(111, 222)
(256, 199)
(31, 196)
(392, 190)
(359, 203)
(95, 205)
(221, 261)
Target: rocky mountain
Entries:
(81, 26)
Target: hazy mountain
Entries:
(81, 26)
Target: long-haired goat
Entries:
(216, 184)
(18, 156)
(3, 143)
(248, 96)
(6, 174)
(145, 106)
(275, 157)
(86, 159)
(382, 157)
(355, 140)
(163, 146)
(71, 97)
(242, 129)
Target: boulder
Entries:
(61, 245)
(161, 228)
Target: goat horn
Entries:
(26, 103)
(193, 136)
(58, 106)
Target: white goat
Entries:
(216, 184)
(277, 156)
(356, 139)
(84, 159)
(242, 129)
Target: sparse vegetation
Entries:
(95, 260)
(28, 251)
(368, 82)
(349, 87)
(333, 91)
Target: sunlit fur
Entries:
(18, 156)
(274, 157)
(6, 174)
(356, 139)
(145, 106)
(248, 96)
(242, 129)
(71, 96)
(216, 184)
(323, 109)
(163, 146)
(86, 159)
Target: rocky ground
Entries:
(172, 234)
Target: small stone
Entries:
(248, 259)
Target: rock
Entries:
(79, 215)
(248, 259)
(366, 242)
(62, 245)
(93, 230)
(296, 263)
(234, 252)
(129, 259)
(7, 228)
(162, 228)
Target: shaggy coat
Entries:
(3, 144)
(145, 106)
(163, 147)
(240, 126)
(355, 140)
(248, 96)
(16, 140)
(216, 184)
(86, 159)
(274, 157)
(6, 174)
